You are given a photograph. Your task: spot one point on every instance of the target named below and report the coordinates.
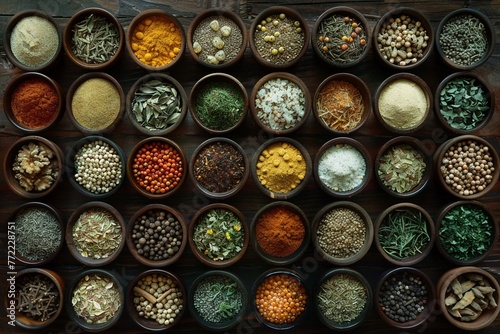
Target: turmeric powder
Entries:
(281, 167)
(156, 40)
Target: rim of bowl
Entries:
(275, 10)
(368, 235)
(276, 260)
(416, 15)
(363, 90)
(490, 33)
(12, 86)
(204, 259)
(130, 244)
(130, 30)
(488, 90)
(8, 32)
(419, 146)
(215, 12)
(70, 165)
(68, 35)
(88, 261)
(358, 146)
(342, 11)
(300, 186)
(423, 252)
(81, 80)
(494, 235)
(211, 78)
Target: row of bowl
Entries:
(403, 38)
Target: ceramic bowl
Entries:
(109, 283)
(269, 101)
(298, 182)
(200, 312)
(394, 116)
(421, 48)
(21, 279)
(359, 287)
(94, 124)
(463, 118)
(140, 90)
(446, 297)
(320, 227)
(423, 243)
(46, 56)
(95, 211)
(275, 19)
(465, 36)
(140, 21)
(357, 107)
(170, 219)
(342, 167)
(330, 48)
(54, 176)
(212, 26)
(421, 284)
(465, 232)
(288, 217)
(176, 286)
(37, 236)
(74, 168)
(212, 115)
(398, 184)
(136, 175)
(443, 169)
(231, 228)
(14, 103)
(115, 41)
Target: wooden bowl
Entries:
(87, 208)
(342, 83)
(385, 56)
(281, 239)
(197, 248)
(465, 35)
(341, 167)
(393, 122)
(46, 62)
(181, 161)
(222, 80)
(328, 50)
(85, 276)
(383, 222)
(448, 118)
(13, 113)
(416, 145)
(137, 21)
(151, 324)
(266, 58)
(442, 171)
(197, 31)
(19, 237)
(280, 102)
(467, 233)
(444, 289)
(102, 126)
(351, 206)
(134, 93)
(282, 195)
(144, 213)
(56, 162)
(73, 169)
(93, 63)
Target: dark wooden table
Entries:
(188, 200)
